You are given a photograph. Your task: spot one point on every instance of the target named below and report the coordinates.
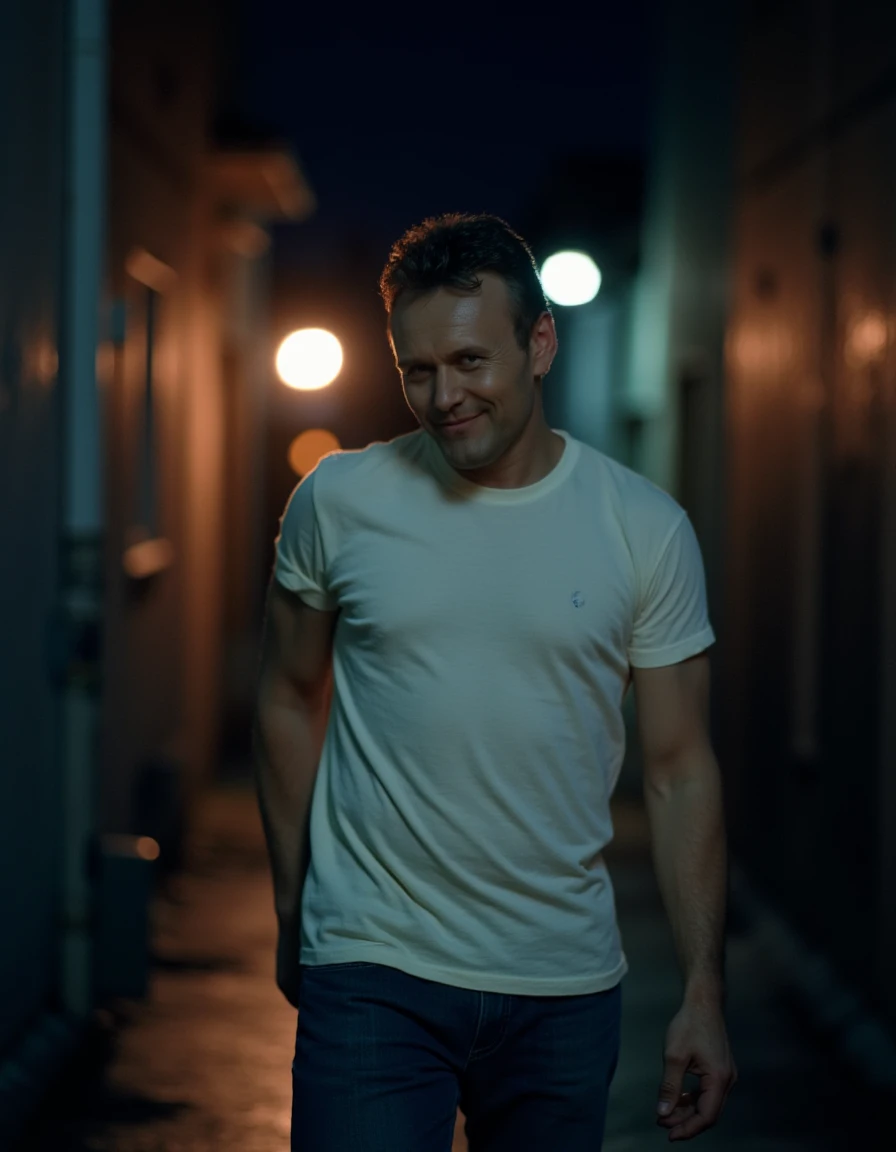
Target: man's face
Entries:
(464, 375)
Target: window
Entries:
(146, 551)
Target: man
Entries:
(484, 590)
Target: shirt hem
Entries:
(309, 596)
(501, 983)
(675, 653)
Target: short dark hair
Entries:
(451, 251)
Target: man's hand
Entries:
(289, 974)
(696, 1043)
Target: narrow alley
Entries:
(204, 1065)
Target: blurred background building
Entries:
(810, 566)
(744, 360)
(741, 353)
(134, 317)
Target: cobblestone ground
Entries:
(204, 1065)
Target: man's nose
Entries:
(447, 390)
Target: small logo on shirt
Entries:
(578, 600)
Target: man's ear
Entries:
(543, 344)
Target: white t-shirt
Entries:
(481, 656)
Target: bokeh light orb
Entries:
(308, 359)
(308, 448)
(570, 278)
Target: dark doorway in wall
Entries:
(699, 480)
(696, 440)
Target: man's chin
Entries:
(465, 457)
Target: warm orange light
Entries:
(761, 350)
(149, 270)
(309, 359)
(41, 361)
(147, 848)
(309, 447)
(867, 339)
(145, 557)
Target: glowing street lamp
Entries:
(570, 278)
(308, 447)
(309, 359)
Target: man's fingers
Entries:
(677, 1116)
(683, 1110)
(709, 1102)
(670, 1088)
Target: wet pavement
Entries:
(204, 1064)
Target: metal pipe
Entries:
(82, 479)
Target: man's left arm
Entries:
(683, 794)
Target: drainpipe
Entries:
(82, 519)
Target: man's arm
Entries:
(290, 722)
(683, 794)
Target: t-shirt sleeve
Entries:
(300, 563)
(672, 619)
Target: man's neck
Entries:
(525, 464)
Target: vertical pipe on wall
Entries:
(886, 831)
(82, 493)
(815, 400)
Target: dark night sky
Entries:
(410, 117)
(407, 117)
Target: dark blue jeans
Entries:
(383, 1060)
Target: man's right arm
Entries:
(292, 708)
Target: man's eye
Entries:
(470, 361)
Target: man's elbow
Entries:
(691, 767)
